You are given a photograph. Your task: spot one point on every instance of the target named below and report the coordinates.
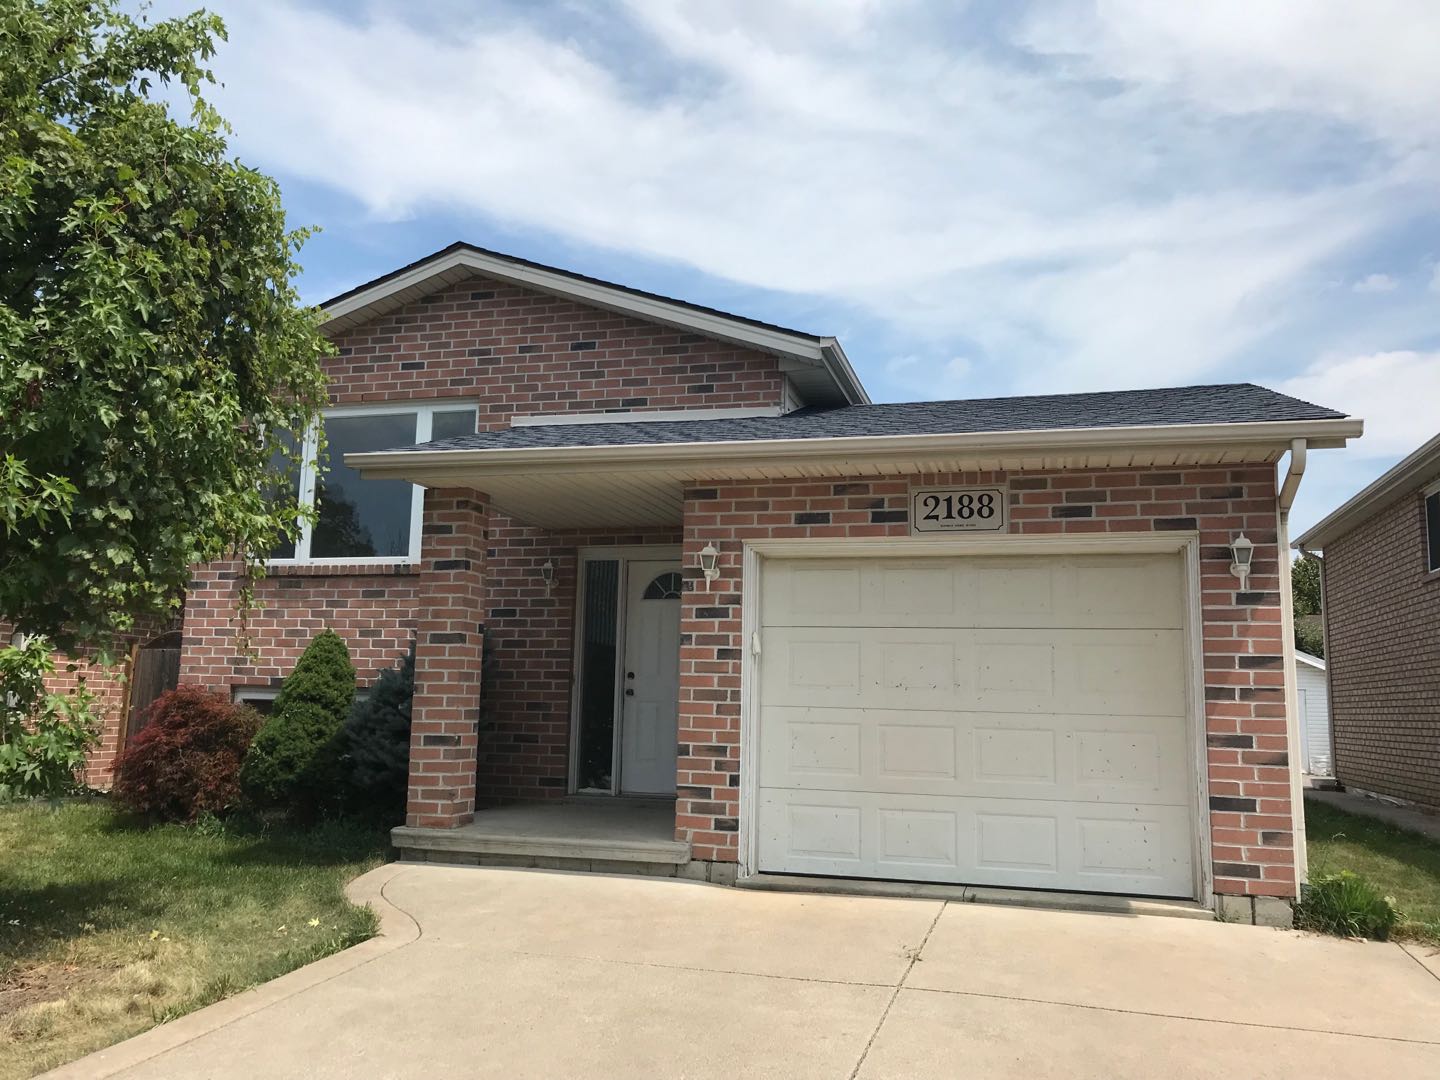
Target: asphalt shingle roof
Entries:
(1224, 404)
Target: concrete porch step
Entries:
(475, 839)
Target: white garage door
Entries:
(1016, 721)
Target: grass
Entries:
(1399, 863)
(108, 928)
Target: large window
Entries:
(358, 519)
(1432, 527)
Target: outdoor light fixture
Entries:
(547, 575)
(709, 562)
(1242, 550)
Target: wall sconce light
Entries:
(1242, 551)
(547, 575)
(709, 563)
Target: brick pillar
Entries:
(449, 642)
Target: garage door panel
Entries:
(1102, 671)
(1073, 757)
(1137, 591)
(1039, 844)
(1005, 721)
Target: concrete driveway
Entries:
(519, 973)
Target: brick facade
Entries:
(1249, 777)
(1382, 651)
(510, 352)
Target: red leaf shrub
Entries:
(186, 761)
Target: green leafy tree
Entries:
(1305, 592)
(377, 743)
(1305, 584)
(294, 762)
(44, 737)
(153, 356)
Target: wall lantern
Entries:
(1242, 550)
(709, 563)
(547, 575)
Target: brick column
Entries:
(449, 643)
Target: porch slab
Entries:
(576, 830)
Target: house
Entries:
(1380, 583)
(1312, 693)
(735, 620)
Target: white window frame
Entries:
(424, 423)
(1426, 494)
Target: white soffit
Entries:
(580, 489)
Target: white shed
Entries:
(1317, 757)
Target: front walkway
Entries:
(522, 973)
(1402, 817)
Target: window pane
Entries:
(1432, 529)
(361, 518)
(284, 472)
(597, 675)
(447, 425)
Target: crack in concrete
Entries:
(1172, 1016)
(885, 1013)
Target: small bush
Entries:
(186, 761)
(44, 738)
(1348, 905)
(294, 762)
(377, 744)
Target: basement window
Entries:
(360, 520)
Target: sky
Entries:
(978, 198)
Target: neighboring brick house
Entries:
(659, 550)
(1381, 605)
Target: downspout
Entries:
(1288, 488)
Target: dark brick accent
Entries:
(813, 517)
(1186, 524)
(1259, 661)
(1072, 511)
(582, 346)
(1242, 742)
(1232, 803)
(447, 639)
(1235, 869)
(452, 564)
(880, 517)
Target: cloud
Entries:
(1073, 199)
(1375, 283)
(1384, 389)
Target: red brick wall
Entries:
(1250, 817)
(511, 352)
(521, 352)
(1382, 647)
(108, 684)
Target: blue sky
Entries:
(978, 199)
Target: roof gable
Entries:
(816, 365)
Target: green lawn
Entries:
(1401, 864)
(108, 928)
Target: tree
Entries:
(1305, 584)
(1305, 593)
(153, 356)
(293, 764)
(377, 743)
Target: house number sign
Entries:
(957, 509)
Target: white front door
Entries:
(1016, 721)
(650, 680)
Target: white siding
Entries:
(1317, 755)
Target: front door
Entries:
(650, 679)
